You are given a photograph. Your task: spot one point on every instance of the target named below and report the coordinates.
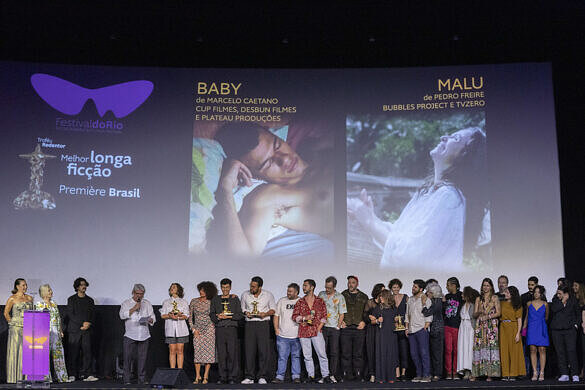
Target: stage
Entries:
(548, 384)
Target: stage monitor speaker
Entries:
(169, 377)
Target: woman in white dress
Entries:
(466, 333)
(175, 311)
(444, 218)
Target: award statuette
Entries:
(175, 310)
(310, 322)
(398, 325)
(255, 312)
(226, 310)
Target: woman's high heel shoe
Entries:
(541, 376)
(205, 381)
(534, 376)
(197, 380)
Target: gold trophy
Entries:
(175, 310)
(309, 321)
(255, 312)
(398, 325)
(226, 310)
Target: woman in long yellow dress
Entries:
(18, 302)
(511, 350)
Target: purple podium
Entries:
(35, 345)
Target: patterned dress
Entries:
(486, 346)
(56, 343)
(204, 345)
(14, 345)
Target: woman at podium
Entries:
(18, 302)
(55, 333)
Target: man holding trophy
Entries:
(258, 305)
(225, 312)
(310, 313)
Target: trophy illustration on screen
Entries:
(226, 309)
(398, 324)
(255, 312)
(34, 198)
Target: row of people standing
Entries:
(465, 333)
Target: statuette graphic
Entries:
(34, 198)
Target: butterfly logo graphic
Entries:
(69, 98)
(36, 343)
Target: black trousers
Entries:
(403, 350)
(352, 341)
(331, 336)
(565, 342)
(79, 341)
(257, 342)
(135, 351)
(437, 343)
(226, 342)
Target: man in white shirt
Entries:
(417, 331)
(138, 315)
(258, 305)
(287, 335)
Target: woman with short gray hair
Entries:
(437, 335)
(55, 333)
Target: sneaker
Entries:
(564, 378)
(276, 381)
(247, 381)
(416, 379)
(262, 381)
(425, 379)
(71, 379)
(91, 378)
(575, 378)
(322, 380)
(297, 380)
(435, 378)
(372, 379)
(332, 379)
(310, 379)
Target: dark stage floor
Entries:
(548, 384)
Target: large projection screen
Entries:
(149, 175)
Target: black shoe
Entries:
(327, 379)
(277, 381)
(297, 380)
(309, 379)
(231, 382)
(221, 381)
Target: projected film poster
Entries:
(170, 173)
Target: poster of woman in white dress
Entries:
(417, 188)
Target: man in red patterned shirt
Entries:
(310, 313)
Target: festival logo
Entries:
(35, 343)
(69, 99)
(34, 198)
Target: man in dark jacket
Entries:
(353, 330)
(564, 325)
(80, 315)
(226, 331)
